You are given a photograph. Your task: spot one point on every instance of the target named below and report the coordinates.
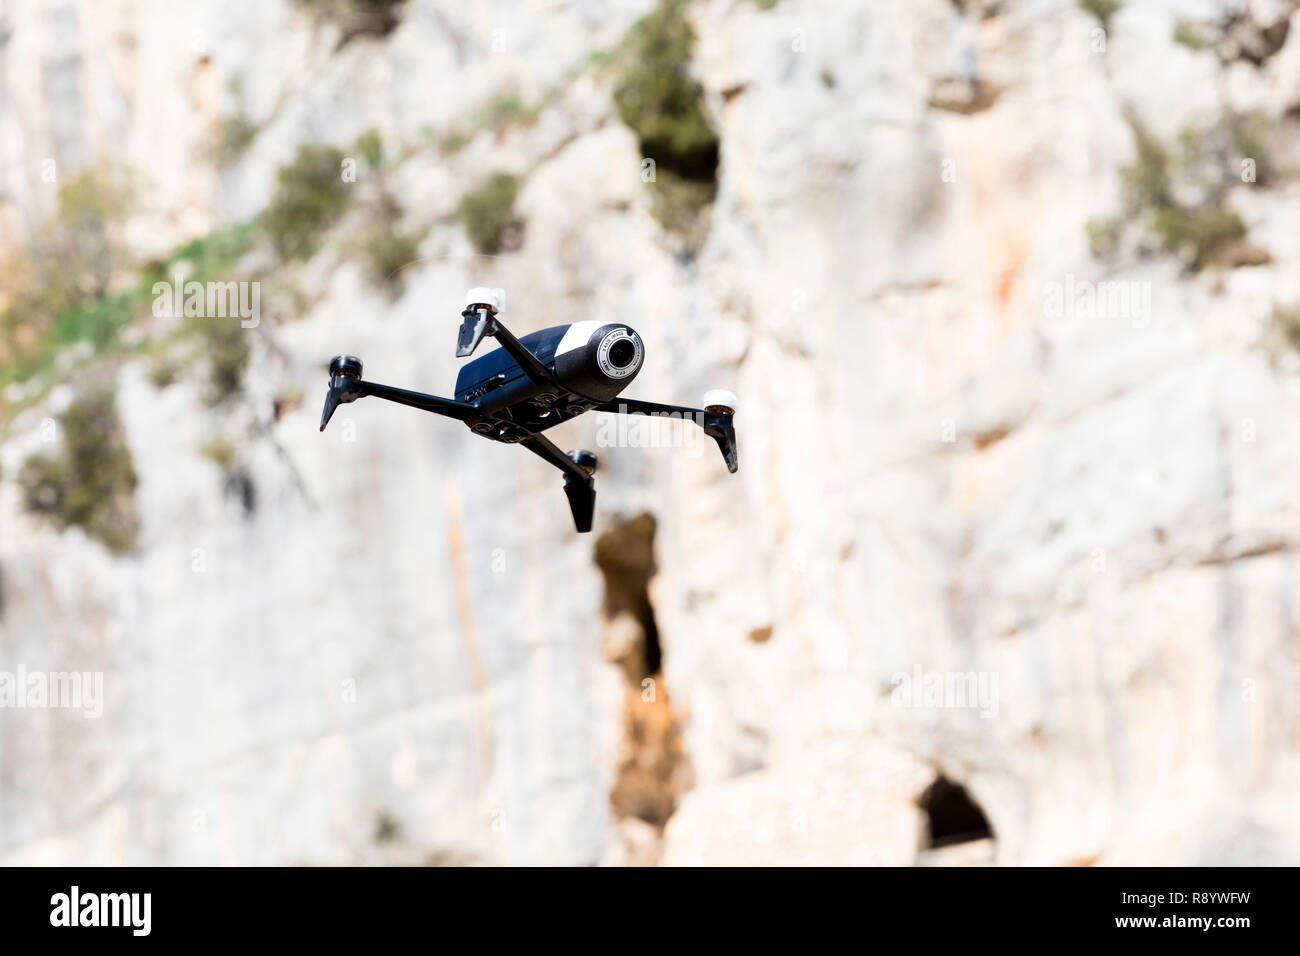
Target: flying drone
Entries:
(514, 393)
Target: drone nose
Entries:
(618, 353)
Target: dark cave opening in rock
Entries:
(626, 557)
(654, 655)
(652, 770)
(952, 816)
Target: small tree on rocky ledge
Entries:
(90, 481)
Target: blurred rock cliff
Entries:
(1008, 292)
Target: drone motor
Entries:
(348, 366)
(583, 459)
(720, 400)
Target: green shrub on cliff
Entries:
(90, 481)
(659, 100)
(1179, 196)
(487, 213)
(357, 18)
(310, 196)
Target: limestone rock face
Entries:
(991, 523)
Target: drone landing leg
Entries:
(579, 487)
(717, 425)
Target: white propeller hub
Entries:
(485, 297)
(720, 400)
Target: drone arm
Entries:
(430, 403)
(579, 486)
(538, 373)
(717, 425)
(344, 389)
(479, 320)
(631, 406)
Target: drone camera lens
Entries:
(622, 353)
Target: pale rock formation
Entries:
(404, 658)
